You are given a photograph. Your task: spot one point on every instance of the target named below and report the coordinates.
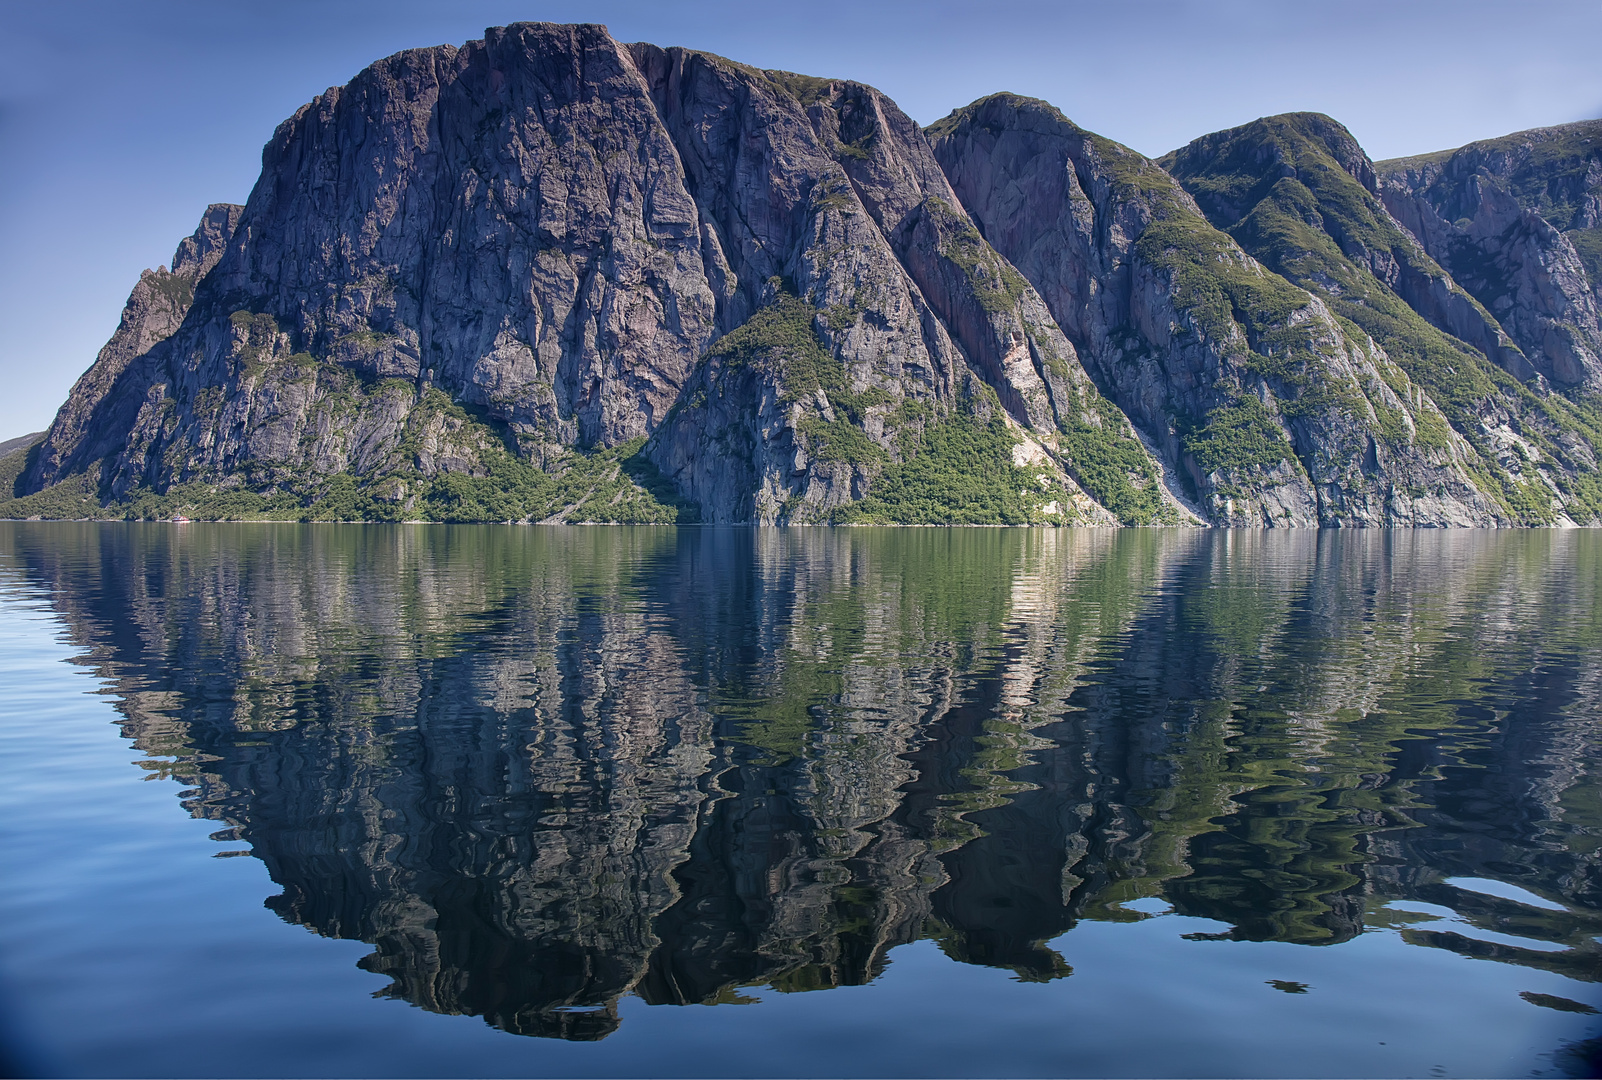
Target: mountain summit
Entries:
(547, 276)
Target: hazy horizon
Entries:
(123, 124)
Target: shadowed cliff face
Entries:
(539, 770)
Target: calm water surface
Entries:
(480, 800)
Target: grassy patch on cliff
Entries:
(958, 471)
(1239, 437)
(996, 285)
(1219, 290)
(805, 89)
(1588, 245)
(782, 339)
(1114, 468)
(178, 289)
(611, 485)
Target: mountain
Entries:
(1299, 193)
(1273, 409)
(547, 276)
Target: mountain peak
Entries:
(546, 276)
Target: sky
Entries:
(120, 120)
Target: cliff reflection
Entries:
(539, 769)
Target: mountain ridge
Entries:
(546, 276)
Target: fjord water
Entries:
(482, 800)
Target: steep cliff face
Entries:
(494, 262)
(547, 276)
(872, 317)
(1298, 193)
(1518, 221)
(1250, 388)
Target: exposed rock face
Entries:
(1247, 384)
(547, 276)
(1518, 222)
(829, 190)
(94, 421)
(550, 228)
(1299, 194)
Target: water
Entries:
(479, 800)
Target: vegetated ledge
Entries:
(614, 486)
(75, 500)
(606, 487)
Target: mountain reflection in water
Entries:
(538, 769)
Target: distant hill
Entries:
(21, 442)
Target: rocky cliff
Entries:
(1518, 222)
(548, 276)
(1249, 387)
(1298, 192)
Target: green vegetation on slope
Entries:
(13, 465)
(1238, 437)
(782, 341)
(73, 498)
(996, 285)
(1114, 468)
(1319, 228)
(1252, 316)
(1588, 246)
(782, 338)
(614, 485)
(1225, 296)
(958, 471)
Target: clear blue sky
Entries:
(121, 119)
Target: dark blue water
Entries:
(441, 800)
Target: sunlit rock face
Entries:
(1518, 222)
(527, 246)
(1191, 335)
(548, 276)
(541, 770)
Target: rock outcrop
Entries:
(547, 276)
(1518, 222)
(490, 262)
